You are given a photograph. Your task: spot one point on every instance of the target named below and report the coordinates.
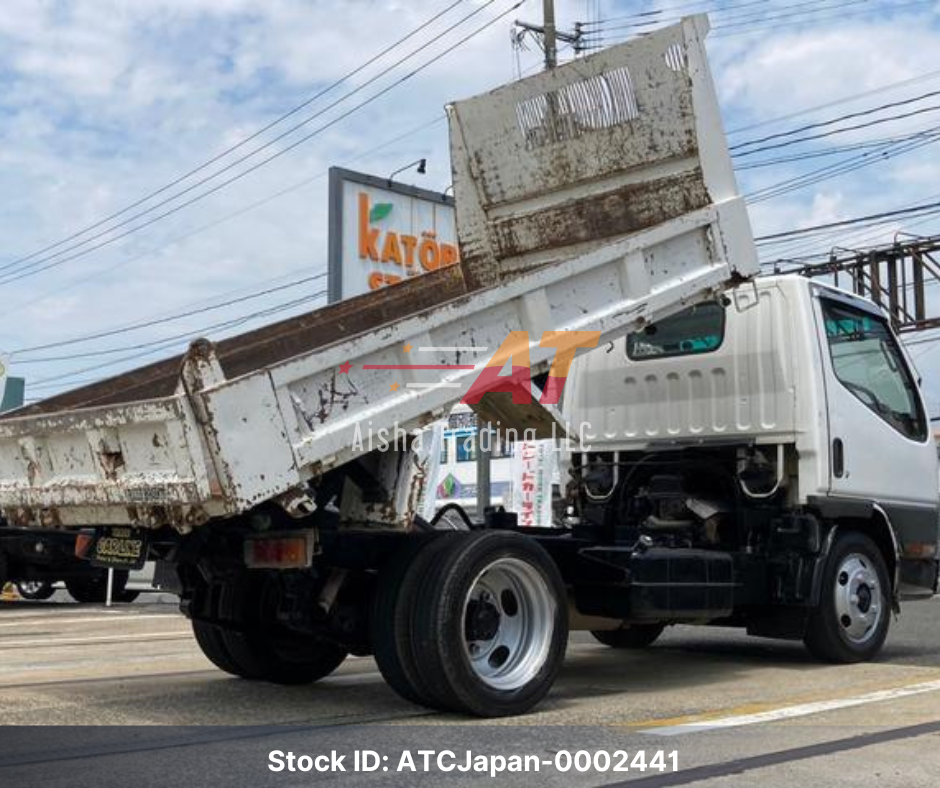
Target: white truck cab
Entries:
(789, 411)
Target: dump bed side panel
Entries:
(331, 402)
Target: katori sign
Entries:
(382, 232)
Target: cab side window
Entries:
(698, 329)
(868, 362)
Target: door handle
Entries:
(838, 458)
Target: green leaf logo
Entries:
(380, 211)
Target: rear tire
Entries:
(392, 614)
(632, 636)
(490, 624)
(240, 638)
(208, 632)
(851, 622)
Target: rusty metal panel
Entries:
(141, 463)
(588, 152)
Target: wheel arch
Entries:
(869, 518)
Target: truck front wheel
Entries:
(490, 624)
(851, 621)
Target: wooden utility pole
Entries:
(550, 38)
(550, 35)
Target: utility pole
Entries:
(549, 34)
(549, 39)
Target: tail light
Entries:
(280, 551)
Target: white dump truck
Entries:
(755, 453)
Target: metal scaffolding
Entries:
(894, 276)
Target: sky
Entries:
(103, 103)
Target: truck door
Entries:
(879, 442)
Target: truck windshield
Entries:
(868, 362)
(699, 329)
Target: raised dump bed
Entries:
(593, 197)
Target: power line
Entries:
(729, 21)
(241, 143)
(838, 168)
(789, 13)
(25, 270)
(841, 130)
(837, 150)
(176, 338)
(225, 217)
(803, 18)
(656, 15)
(831, 121)
(838, 102)
(156, 321)
(775, 22)
(166, 344)
(27, 273)
(861, 237)
(848, 222)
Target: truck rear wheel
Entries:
(633, 636)
(490, 624)
(240, 639)
(851, 622)
(208, 632)
(391, 618)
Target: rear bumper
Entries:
(41, 554)
(44, 547)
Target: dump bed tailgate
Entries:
(141, 462)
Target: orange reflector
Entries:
(83, 543)
(282, 552)
(920, 550)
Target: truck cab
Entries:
(781, 422)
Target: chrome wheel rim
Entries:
(859, 598)
(30, 587)
(509, 621)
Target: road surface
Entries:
(736, 710)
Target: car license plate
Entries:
(119, 548)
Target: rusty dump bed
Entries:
(593, 197)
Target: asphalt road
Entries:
(737, 711)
